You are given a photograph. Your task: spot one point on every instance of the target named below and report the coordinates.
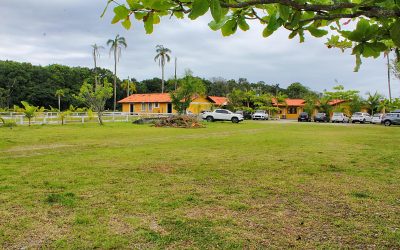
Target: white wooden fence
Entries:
(76, 117)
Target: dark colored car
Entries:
(321, 117)
(246, 115)
(391, 118)
(304, 117)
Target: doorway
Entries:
(169, 108)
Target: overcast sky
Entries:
(61, 31)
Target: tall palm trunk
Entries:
(115, 78)
(95, 68)
(59, 103)
(162, 80)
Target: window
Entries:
(292, 110)
(150, 106)
(221, 111)
(143, 106)
(156, 105)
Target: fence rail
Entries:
(77, 117)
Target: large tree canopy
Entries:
(377, 28)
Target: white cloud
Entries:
(61, 31)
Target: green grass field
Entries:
(248, 185)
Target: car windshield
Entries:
(357, 113)
(260, 111)
(377, 115)
(337, 114)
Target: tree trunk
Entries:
(100, 116)
(59, 103)
(162, 80)
(95, 68)
(115, 78)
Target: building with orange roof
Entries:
(161, 103)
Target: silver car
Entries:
(377, 118)
(340, 117)
(361, 117)
(260, 115)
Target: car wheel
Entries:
(235, 120)
(353, 121)
(210, 119)
(387, 123)
(363, 121)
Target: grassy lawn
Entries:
(248, 185)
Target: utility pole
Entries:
(388, 72)
(176, 82)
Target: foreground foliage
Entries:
(247, 185)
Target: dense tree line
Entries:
(37, 85)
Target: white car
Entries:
(260, 115)
(340, 117)
(377, 118)
(222, 115)
(361, 117)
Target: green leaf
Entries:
(292, 34)
(115, 19)
(216, 12)
(373, 49)
(273, 23)
(284, 12)
(218, 25)
(178, 14)
(243, 25)
(148, 23)
(140, 15)
(267, 32)
(199, 8)
(127, 24)
(358, 63)
(121, 12)
(133, 5)
(229, 27)
(317, 32)
(395, 33)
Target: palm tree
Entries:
(116, 46)
(162, 55)
(373, 101)
(60, 93)
(96, 54)
(129, 86)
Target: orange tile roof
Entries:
(290, 102)
(165, 97)
(219, 100)
(155, 97)
(336, 101)
(295, 102)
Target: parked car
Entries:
(246, 115)
(321, 117)
(340, 117)
(377, 118)
(222, 115)
(391, 118)
(304, 117)
(260, 115)
(361, 117)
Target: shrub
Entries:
(7, 123)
